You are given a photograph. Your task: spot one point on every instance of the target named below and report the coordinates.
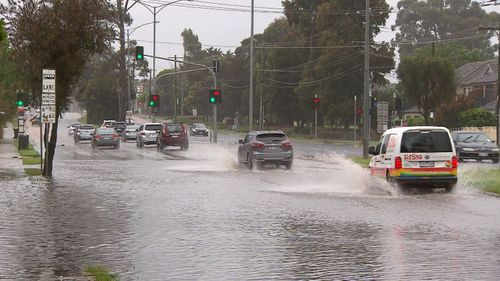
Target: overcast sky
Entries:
(219, 28)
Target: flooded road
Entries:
(198, 215)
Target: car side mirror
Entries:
(372, 151)
(240, 141)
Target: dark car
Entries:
(84, 132)
(475, 145)
(119, 126)
(266, 147)
(105, 137)
(198, 129)
(173, 134)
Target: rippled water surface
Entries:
(197, 215)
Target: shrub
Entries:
(477, 118)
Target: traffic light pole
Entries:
(215, 86)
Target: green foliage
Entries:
(421, 21)
(361, 161)
(100, 273)
(485, 179)
(477, 118)
(453, 52)
(416, 121)
(427, 82)
(448, 113)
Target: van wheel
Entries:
(388, 177)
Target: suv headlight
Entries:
(495, 149)
(467, 149)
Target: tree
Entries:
(454, 52)
(9, 79)
(423, 21)
(56, 34)
(427, 82)
(477, 118)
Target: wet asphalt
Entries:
(198, 215)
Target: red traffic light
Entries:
(155, 97)
(316, 100)
(216, 93)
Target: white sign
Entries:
(48, 96)
(140, 88)
(49, 81)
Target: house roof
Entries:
(477, 72)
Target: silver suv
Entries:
(147, 134)
(266, 147)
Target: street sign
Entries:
(382, 116)
(140, 88)
(48, 107)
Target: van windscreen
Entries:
(425, 141)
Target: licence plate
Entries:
(426, 164)
(273, 148)
(483, 154)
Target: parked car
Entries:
(475, 145)
(420, 156)
(107, 123)
(266, 147)
(105, 137)
(84, 132)
(198, 129)
(147, 134)
(130, 133)
(119, 126)
(173, 134)
(72, 128)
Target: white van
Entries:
(416, 156)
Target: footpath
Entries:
(11, 164)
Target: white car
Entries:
(107, 123)
(72, 128)
(147, 134)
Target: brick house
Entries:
(478, 79)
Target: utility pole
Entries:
(366, 93)
(250, 94)
(355, 113)
(497, 106)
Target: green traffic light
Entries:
(212, 100)
(151, 103)
(20, 103)
(139, 56)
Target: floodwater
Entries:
(198, 215)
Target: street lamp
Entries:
(129, 32)
(155, 10)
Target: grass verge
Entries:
(30, 157)
(485, 179)
(360, 161)
(100, 273)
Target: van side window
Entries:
(384, 144)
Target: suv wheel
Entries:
(288, 165)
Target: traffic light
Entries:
(215, 96)
(22, 99)
(154, 101)
(398, 104)
(374, 102)
(315, 102)
(139, 52)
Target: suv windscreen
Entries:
(118, 125)
(271, 138)
(152, 127)
(174, 128)
(425, 141)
